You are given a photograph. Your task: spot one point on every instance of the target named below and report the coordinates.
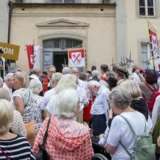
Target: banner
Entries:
(76, 58)
(154, 42)
(153, 39)
(11, 51)
(30, 56)
(36, 62)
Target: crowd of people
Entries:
(64, 113)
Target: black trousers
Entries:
(98, 124)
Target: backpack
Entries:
(145, 149)
(154, 96)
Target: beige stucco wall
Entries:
(99, 37)
(3, 20)
(137, 28)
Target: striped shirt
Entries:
(17, 148)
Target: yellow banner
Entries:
(11, 51)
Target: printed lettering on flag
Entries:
(76, 58)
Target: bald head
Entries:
(75, 71)
(55, 78)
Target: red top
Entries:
(67, 140)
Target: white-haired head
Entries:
(55, 78)
(36, 86)
(4, 94)
(8, 76)
(9, 80)
(66, 103)
(66, 81)
(93, 86)
(95, 73)
(66, 70)
(1, 82)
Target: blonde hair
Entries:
(66, 81)
(23, 77)
(6, 115)
(133, 88)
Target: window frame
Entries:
(146, 9)
(62, 2)
(149, 56)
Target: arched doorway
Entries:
(55, 51)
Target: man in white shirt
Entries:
(99, 115)
(8, 84)
(47, 96)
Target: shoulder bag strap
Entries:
(28, 98)
(4, 154)
(46, 133)
(128, 124)
(126, 150)
(149, 87)
(131, 156)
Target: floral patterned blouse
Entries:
(37, 112)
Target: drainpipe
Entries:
(10, 4)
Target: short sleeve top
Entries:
(26, 95)
(120, 131)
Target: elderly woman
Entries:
(67, 139)
(23, 102)
(120, 100)
(17, 126)
(66, 81)
(12, 146)
(36, 87)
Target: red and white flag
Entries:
(153, 39)
(30, 54)
(76, 58)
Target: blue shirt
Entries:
(100, 104)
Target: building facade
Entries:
(4, 14)
(107, 29)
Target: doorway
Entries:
(60, 59)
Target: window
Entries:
(62, 1)
(147, 7)
(62, 43)
(145, 55)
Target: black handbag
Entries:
(42, 154)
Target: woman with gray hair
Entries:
(23, 102)
(36, 87)
(120, 131)
(67, 139)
